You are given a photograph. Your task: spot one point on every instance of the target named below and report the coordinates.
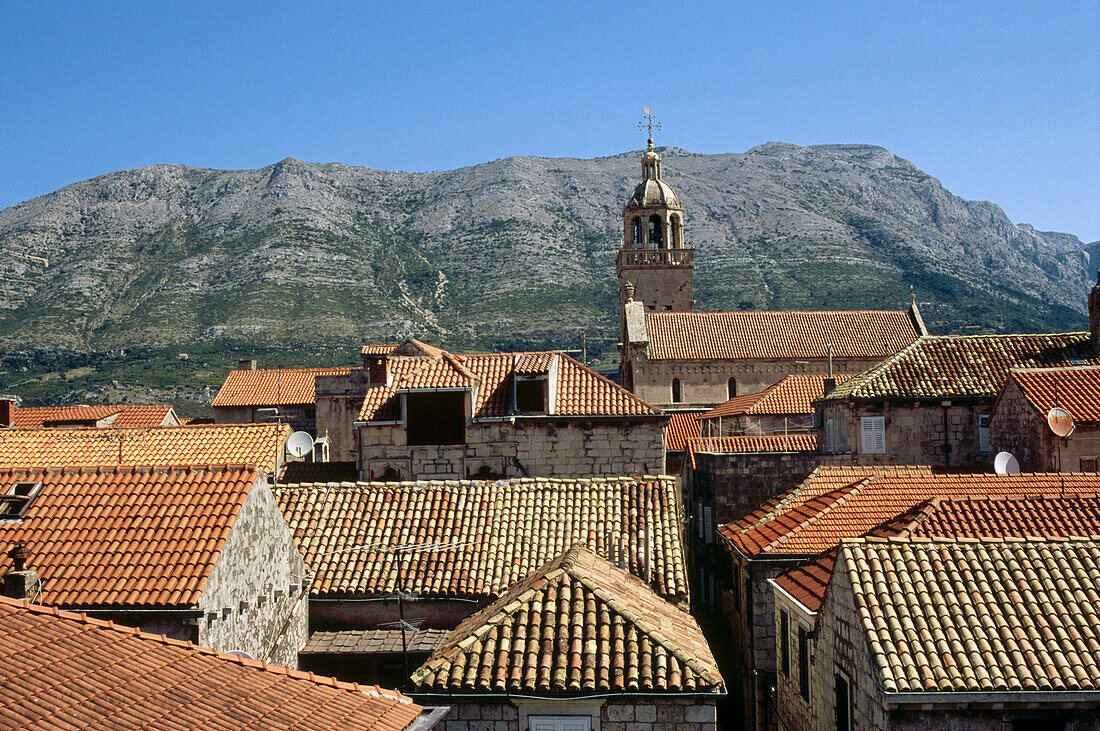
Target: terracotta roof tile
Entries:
(87, 673)
(378, 349)
(580, 391)
(110, 536)
(577, 624)
(776, 334)
(982, 615)
(251, 444)
(1010, 516)
(752, 444)
(791, 395)
(834, 503)
(682, 426)
(373, 641)
(957, 366)
(272, 387)
(1076, 390)
(348, 532)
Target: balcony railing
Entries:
(655, 257)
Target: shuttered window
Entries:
(873, 429)
(983, 432)
(559, 723)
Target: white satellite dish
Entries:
(1005, 464)
(1060, 421)
(299, 444)
(240, 653)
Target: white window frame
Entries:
(983, 433)
(559, 723)
(872, 430)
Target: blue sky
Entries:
(1000, 100)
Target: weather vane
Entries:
(649, 123)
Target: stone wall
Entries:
(339, 399)
(255, 599)
(1016, 427)
(300, 418)
(640, 713)
(914, 432)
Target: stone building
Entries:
(931, 402)
(200, 554)
(578, 644)
(785, 407)
(450, 548)
(920, 652)
(418, 412)
(833, 503)
(1018, 423)
(65, 670)
(283, 395)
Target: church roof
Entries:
(654, 194)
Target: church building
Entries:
(676, 358)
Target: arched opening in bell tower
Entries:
(676, 232)
(636, 232)
(656, 232)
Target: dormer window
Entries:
(14, 503)
(436, 417)
(531, 395)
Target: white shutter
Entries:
(983, 432)
(873, 429)
(559, 723)
(708, 525)
(830, 435)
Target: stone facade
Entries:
(634, 712)
(1015, 427)
(939, 433)
(300, 418)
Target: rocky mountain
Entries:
(518, 251)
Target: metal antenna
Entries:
(649, 123)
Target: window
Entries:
(636, 240)
(656, 232)
(1090, 464)
(676, 395)
(731, 387)
(559, 723)
(983, 432)
(785, 643)
(843, 703)
(804, 663)
(830, 435)
(873, 429)
(531, 394)
(14, 503)
(436, 418)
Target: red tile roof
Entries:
(775, 334)
(682, 426)
(251, 444)
(125, 415)
(65, 671)
(125, 536)
(1077, 390)
(968, 616)
(1010, 516)
(380, 349)
(580, 390)
(272, 387)
(134, 417)
(962, 366)
(752, 444)
(577, 624)
(791, 395)
(348, 533)
(846, 502)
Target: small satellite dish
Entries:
(240, 653)
(299, 444)
(1060, 421)
(1005, 464)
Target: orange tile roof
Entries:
(125, 415)
(682, 426)
(140, 416)
(777, 334)
(272, 387)
(132, 537)
(961, 366)
(846, 502)
(790, 395)
(66, 671)
(380, 349)
(1006, 516)
(348, 532)
(988, 615)
(752, 444)
(251, 444)
(589, 627)
(1077, 390)
(580, 390)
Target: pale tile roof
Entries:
(348, 532)
(778, 334)
(250, 444)
(1077, 390)
(125, 415)
(963, 366)
(125, 536)
(577, 624)
(67, 671)
(790, 395)
(983, 615)
(373, 642)
(272, 387)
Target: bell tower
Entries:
(654, 265)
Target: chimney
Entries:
(1094, 316)
(20, 583)
(377, 369)
(7, 409)
(246, 364)
(830, 386)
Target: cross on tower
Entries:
(649, 123)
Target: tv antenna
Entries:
(1005, 464)
(649, 123)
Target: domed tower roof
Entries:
(653, 192)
